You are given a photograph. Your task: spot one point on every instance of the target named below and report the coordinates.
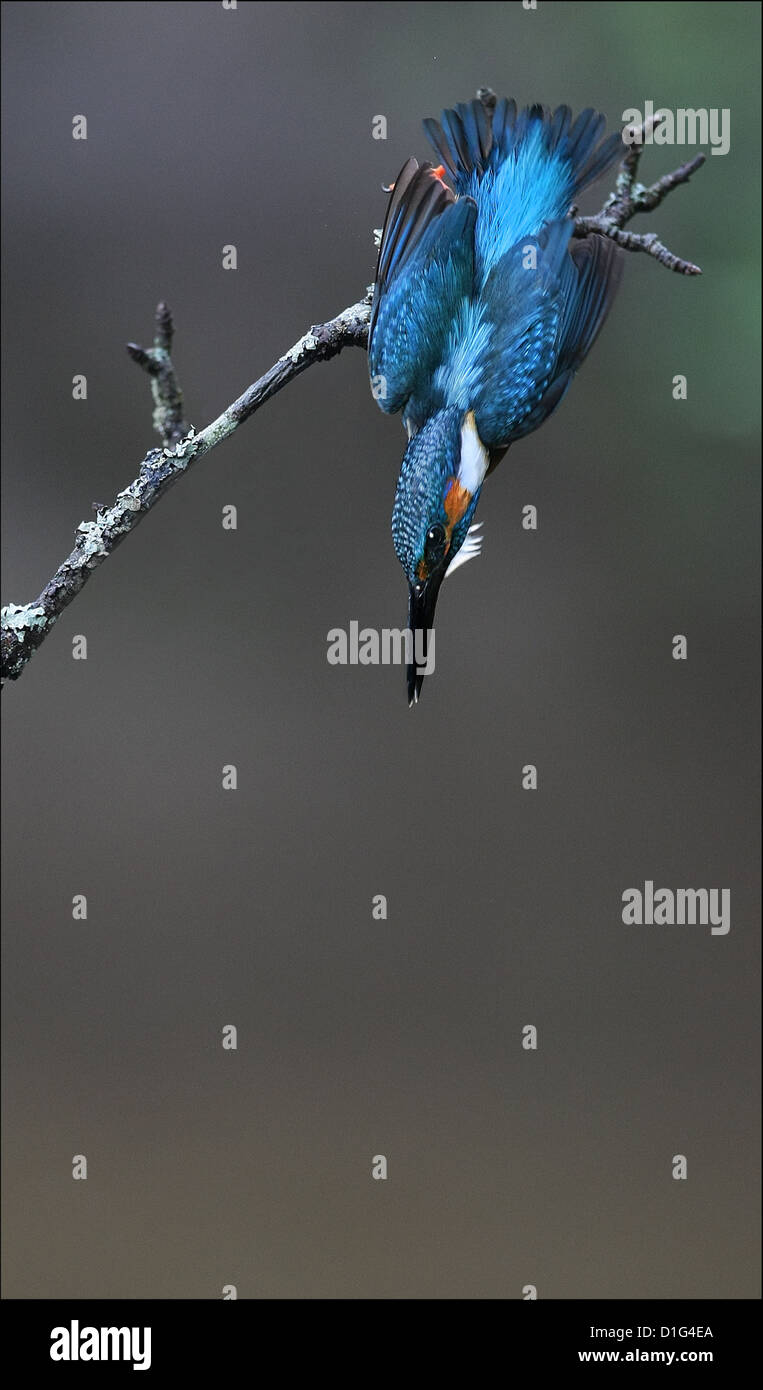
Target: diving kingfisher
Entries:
(483, 310)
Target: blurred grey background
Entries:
(207, 647)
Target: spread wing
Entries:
(543, 321)
(425, 271)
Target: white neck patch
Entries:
(471, 547)
(474, 456)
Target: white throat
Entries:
(474, 456)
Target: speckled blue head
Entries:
(437, 494)
(432, 492)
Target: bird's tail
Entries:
(469, 140)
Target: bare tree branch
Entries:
(630, 197)
(25, 626)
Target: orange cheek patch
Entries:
(456, 502)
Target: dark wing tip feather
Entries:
(559, 125)
(464, 137)
(585, 150)
(454, 130)
(601, 158)
(417, 200)
(597, 268)
(435, 135)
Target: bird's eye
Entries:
(435, 542)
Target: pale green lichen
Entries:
(129, 499)
(90, 539)
(23, 618)
(178, 454)
(307, 343)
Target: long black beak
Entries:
(422, 600)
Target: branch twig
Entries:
(168, 398)
(630, 197)
(25, 626)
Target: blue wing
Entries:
(542, 322)
(425, 271)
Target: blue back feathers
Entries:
(479, 301)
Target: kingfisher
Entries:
(484, 308)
